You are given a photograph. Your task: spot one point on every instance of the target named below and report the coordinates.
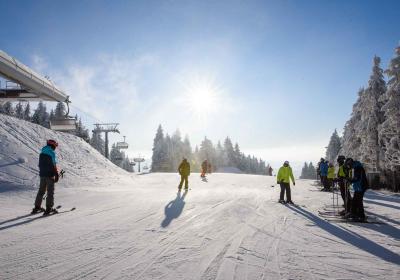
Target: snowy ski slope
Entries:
(138, 226)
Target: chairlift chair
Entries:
(122, 145)
(64, 124)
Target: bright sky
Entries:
(276, 76)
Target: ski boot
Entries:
(37, 210)
(282, 201)
(290, 202)
(50, 212)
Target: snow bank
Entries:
(20, 144)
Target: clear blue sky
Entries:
(276, 76)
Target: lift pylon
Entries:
(106, 128)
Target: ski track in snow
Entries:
(137, 227)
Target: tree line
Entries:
(168, 152)
(372, 134)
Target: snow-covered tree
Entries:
(351, 141)
(27, 112)
(81, 131)
(334, 147)
(8, 109)
(98, 143)
(160, 152)
(60, 110)
(40, 115)
(371, 117)
(389, 131)
(19, 110)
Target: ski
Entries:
(341, 219)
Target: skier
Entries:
(360, 186)
(48, 176)
(323, 169)
(343, 173)
(319, 169)
(283, 179)
(204, 166)
(184, 171)
(270, 171)
(331, 175)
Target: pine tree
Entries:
(371, 117)
(19, 110)
(229, 152)
(27, 112)
(389, 131)
(98, 143)
(312, 172)
(334, 147)
(40, 116)
(8, 109)
(60, 110)
(351, 142)
(159, 154)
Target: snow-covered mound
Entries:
(20, 144)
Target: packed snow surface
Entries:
(126, 226)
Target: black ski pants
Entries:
(345, 193)
(285, 187)
(184, 178)
(46, 183)
(357, 206)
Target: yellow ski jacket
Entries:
(285, 174)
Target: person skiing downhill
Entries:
(285, 173)
(204, 166)
(184, 171)
(48, 173)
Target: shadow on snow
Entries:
(352, 237)
(174, 209)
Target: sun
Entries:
(202, 98)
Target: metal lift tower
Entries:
(106, 128)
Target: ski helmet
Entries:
(52, 143)
(286, 163)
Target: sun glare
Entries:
(203, 99)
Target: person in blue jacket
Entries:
(360, 186)
(323, 169)
(48, 176)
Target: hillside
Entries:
(20, 144)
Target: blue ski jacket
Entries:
(359, 180)
(47, 162)
(323, 169)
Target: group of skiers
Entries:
(350, 172)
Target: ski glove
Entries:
(56, 178)
(294, 184)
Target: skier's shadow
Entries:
(174, 208)
(350, 236)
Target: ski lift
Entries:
(132, 163)
(23, 84)
(145, 167)
(64, 124)
(122, 145)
